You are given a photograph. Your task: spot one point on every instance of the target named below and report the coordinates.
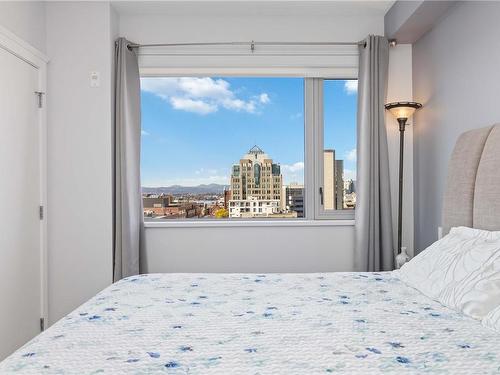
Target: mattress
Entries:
(364, 323)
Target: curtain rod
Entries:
(252, 44)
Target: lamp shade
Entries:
(402, 109)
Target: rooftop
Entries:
(255, 150)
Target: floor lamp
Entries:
(402, 111)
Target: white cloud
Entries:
(144, 132)
(351, 86)
(201, 95)
(351, 155)
(293, 172)
(295, 116)
(239, 105)
(163, 87)
(349, 174)
(264, 98)
(204, 87)
(295, 167)
(190, 105)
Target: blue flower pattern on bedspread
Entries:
(347, 323)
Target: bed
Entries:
(317, 323)
(260, 324)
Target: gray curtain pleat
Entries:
(128, 216)
(374, 250)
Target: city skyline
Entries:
(256, 190)
(204, 123)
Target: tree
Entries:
(221, 213)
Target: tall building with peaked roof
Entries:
(255, 181)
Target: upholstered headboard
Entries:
(472, 196)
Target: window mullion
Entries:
(310, 148)
(316, 119)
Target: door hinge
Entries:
(42, 324)
(41, 212)
(40, 98)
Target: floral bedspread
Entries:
(351, 323)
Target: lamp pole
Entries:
(402, 111)
(402, 125)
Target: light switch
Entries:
(95, 79)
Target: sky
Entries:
(194, 129)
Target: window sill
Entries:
(246, 223)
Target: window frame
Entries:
(313, 67)
(317, 105)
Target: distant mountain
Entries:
(178, 189)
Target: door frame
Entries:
(24, 51)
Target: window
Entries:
(338, 151)
(222, 148)
(248, 148)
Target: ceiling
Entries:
(254, 7)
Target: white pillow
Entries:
(461, 271)
(492, 320)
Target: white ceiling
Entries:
(254, 7)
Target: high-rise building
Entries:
(339, 184)
(256, 179)
(294, 199)
(349, 186)
(227, 198)
(329, 179)
(333, 181)
(350, 194)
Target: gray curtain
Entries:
(374, 243)
(128, 219)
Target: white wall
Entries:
(456, 76)
(26, 19)
(234, 249)
(79, 210)
(249, 249)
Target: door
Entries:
(20, 192)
